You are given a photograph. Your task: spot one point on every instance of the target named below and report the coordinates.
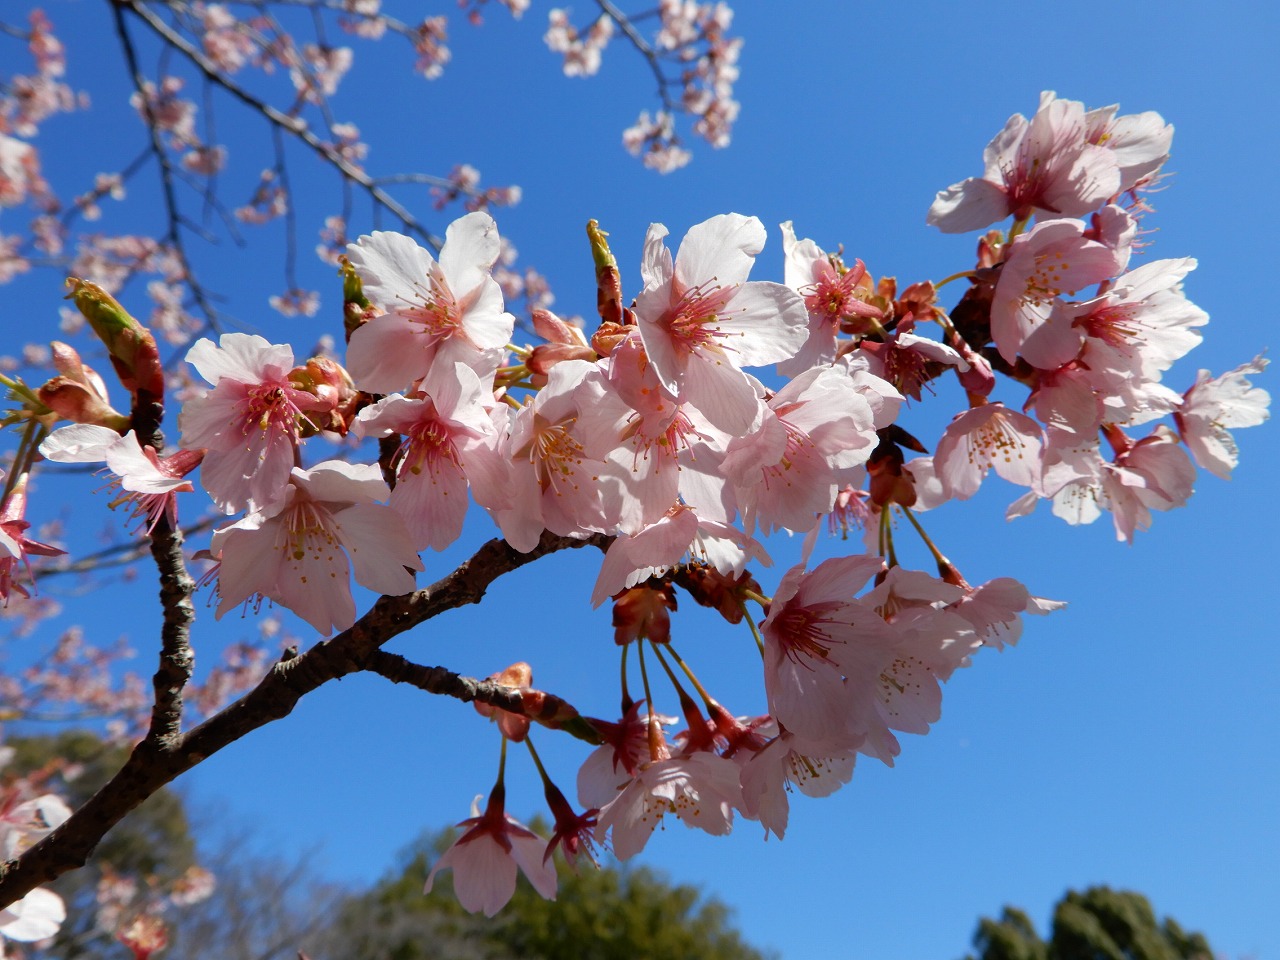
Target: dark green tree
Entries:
(1098, 924)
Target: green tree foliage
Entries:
(1098, 924)
(614, 913)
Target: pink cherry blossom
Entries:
(1052, 259)
(449, 443)
(988, 437)
(815, 637)
(815, 431)
(1137, 329)
(434, 314)
(787, 761)
(829, 295)
(485, 858)
(248, 422)
(1154, 473)
(930, 643)
(553, 483)
(903, 358)
(702, 321)
(702, 789)
(16, 548)
(661, 545)
(151, 482)
(633, 741)
(1139, 141)
(1047, 163)
(644, 433)
(1212, 405)
(296, 550)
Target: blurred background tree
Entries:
(1098, 924)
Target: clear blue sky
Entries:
(1129, 740)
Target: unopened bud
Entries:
(78, 393)
(608, 280)
(132, 347)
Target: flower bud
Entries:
(78, 393)
(133, 350)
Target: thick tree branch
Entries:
(153, 764)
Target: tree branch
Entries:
(545, 708)
(154, 764)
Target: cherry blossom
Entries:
(645, 434)
(702, 789)
(16, 548)
(435, 314)
(296, 550)
(1214, 404)
(449, 443)
(822, 650)
(702, 321)
(485, 857)
(1052, 259)
(986, 437)
(1047, 163)
(812, 767)
(151, 482)
(249, 422)
(815, 431)
(830, 295)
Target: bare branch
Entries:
(290, 125)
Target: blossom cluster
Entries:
(706, 412)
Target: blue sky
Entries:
(1129, 740)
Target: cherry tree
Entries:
(700, 412)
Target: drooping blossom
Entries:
(1153, 473)
(435, 314)
(823, 651)
(484, 859)
(249, 422)
(628, 744)
(16, 548)
(1215, 404)
(930, 641)
(701, 789)
(299, 550)
(702, 321)
(814, 768)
